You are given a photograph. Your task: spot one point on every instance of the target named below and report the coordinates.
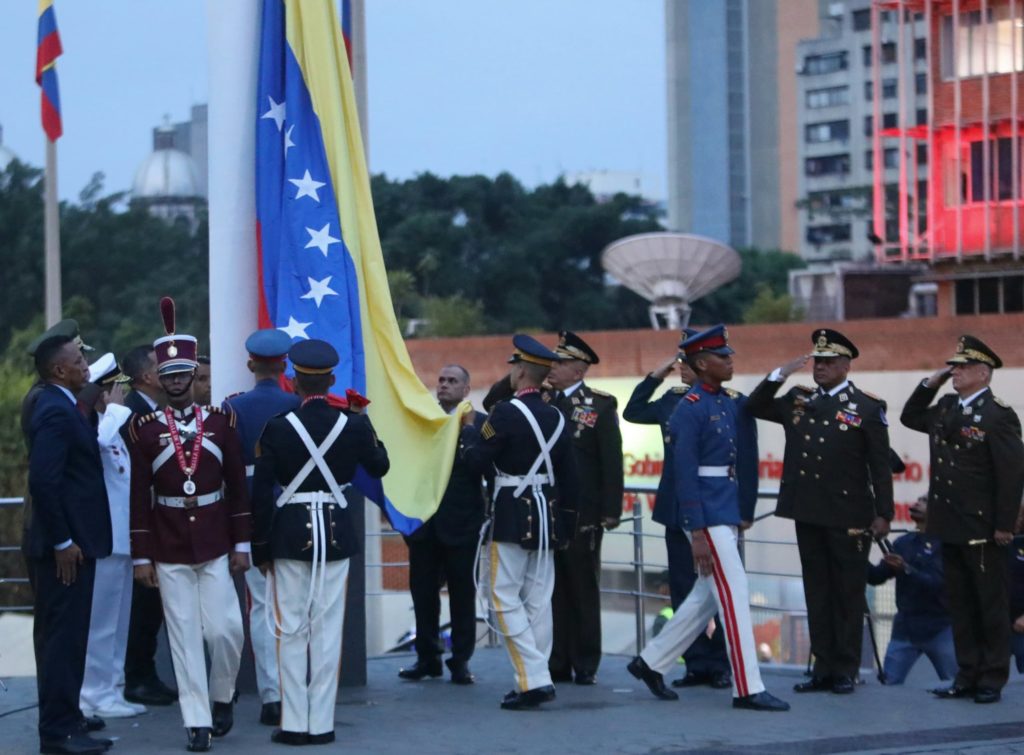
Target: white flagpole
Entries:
(51, 233)
(233, 43)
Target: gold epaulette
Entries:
(602, 394)
(138, 421)
(680, 388)
(229, 413)
(486, 431)
(872, 396)
(732, 393)
(1000, 402)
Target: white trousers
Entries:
(200, 603)
(264, 646)
(310, 642)
(108, 633)
(521, 584)
(725, 590)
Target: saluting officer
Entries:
(837, 486)
(714, 444)
(593, 425)
(706, 661)
(977, 477)
(526, 441)
(268, 351)
(305, 536)
(190, 531)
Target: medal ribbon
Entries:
(179, 451)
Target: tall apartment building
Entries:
(732, 108)
(847, 90)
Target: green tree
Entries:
(768, 268)
(771, 307)
(452, 316)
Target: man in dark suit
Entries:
(69, 530)
(141, 683)
(533, 506)
(593, 426)
(977, 477)
(444, 549)
(837, 486)
(706, 659)
(304, 537)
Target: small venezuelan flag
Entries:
(48, 49)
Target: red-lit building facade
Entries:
(965, 219)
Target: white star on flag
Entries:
(321, 239)
(296, 329)
(307, 186)
(276, 112)
(318, 290)
(288, 139)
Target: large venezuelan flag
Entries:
(48, 49)
(320, 263)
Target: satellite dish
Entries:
(670, 270)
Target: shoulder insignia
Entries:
(233, 395)
(872, 396)
(1000, 402)
(692, 397)
(487, 431)
(680, 389)
(602, 394)
(732, 393)
(227, 412)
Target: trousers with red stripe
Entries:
(724, 591)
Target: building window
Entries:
(920, 49)
(890, 158)
(828, 234)
(889, 120)
(975, 47)
(826, 63)
(920, 83)
(861, 19)
(888, 54)
(817, 133)
(921, 116)
(889, 88)
(828, 97)
(922, 153)
(827, 165)
(1000, 165)
(990, 295)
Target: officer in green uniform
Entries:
(837, 486)
(597, 445)
(977, 477)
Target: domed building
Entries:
(167, 182)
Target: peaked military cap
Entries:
(715, 339)
(313, 357)
(175, 352)
(571, 346)
(104, 370)
(528, 349)
(832, 343)
(971, 349)
(68, 327)
(269, 344)
(687, 333)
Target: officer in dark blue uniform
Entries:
(714, 442)
(527, 443)
(268, 351)
(706, 661)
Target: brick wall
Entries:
(890, 344)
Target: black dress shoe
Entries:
(321, 739)
(721, 680)
(953, 692)
(270, 714)
(761, 701)
(200, 739)
(74, 744)
(985, 695)
(692, 679)
(529, 699)
(814, 684)
(422, 668)
(93, 723)
(150, 692)
(561, 677)
(282, 737)
(842, 685)
(655, 682)
(223, 718)
(460, 671)
(585, 679)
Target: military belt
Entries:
(315, 497)
(514, 481)
(726, 471)
(188, 502)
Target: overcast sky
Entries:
(533, 87)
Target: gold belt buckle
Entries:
(191, 502)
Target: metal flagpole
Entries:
(51, 232)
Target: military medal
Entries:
(189, 488)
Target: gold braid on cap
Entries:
(521, 356)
